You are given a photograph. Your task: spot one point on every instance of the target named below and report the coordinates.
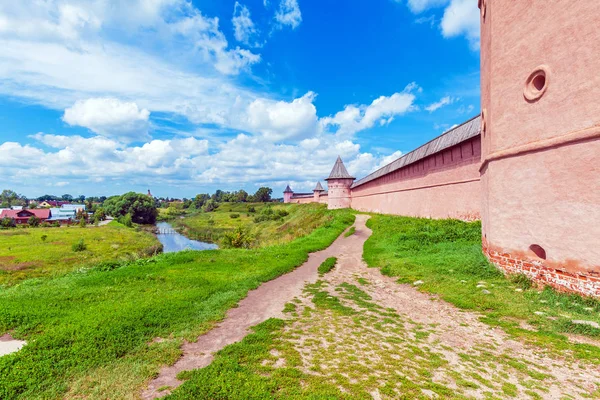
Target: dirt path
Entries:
(392, 340)
(265, 302)
(408, 336)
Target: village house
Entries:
(21, 217)
(52, 203)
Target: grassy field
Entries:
(38, 252)
(90, 333)
(446, 256)
(299, 221)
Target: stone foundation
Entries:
(536, 270)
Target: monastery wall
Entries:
(540, 143)
(302, 200)
(443, 185)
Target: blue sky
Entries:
(99, 97)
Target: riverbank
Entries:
(265, 224)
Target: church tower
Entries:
(540, 133)
(339, 183)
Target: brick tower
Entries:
(287, 194)
(540, 174)
(317, 192)
(339, 183)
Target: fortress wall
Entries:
(302, 200)
(443, 185)
(540, 171)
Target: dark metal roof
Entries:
(318, 188)
(288, 190)
(454, 136)
(302, 195)
(339, 171)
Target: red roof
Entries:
(15, 214)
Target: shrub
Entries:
(44, 237)
(234, 215)
(239, 238)
(251, 209)
(210, 206)
(283, 213)
(126, 220)
(33, 221)
(79, 246)
(82, 223)
(7, 222)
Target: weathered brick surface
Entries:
(540, 273)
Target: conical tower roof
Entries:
(339, 171)
(318, 188)
(288, 190)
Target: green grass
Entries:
(211, 227)
(350, 232)
(446, 255)
(90, 332)
(24, 253)
(327, 265)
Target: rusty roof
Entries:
(452, 137)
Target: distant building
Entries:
(52, 203)
(21, 217)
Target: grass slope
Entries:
(90, 333)
(24, 254)
(446, 255)
(300, 221)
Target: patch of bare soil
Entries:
(19, 266)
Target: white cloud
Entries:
(382, 110)
(418, 6)
(444, 101)
(110, 117)
(461, 17)
(289, 14)
(282, 120)
(243, 27)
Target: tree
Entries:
(241, 196)
(139, 206)
(263, 194)
(210, 206)
(9, 197)
(200, 199)
(81, 198)
(67, 197)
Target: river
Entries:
(174, 242)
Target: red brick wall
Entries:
(541, 273)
